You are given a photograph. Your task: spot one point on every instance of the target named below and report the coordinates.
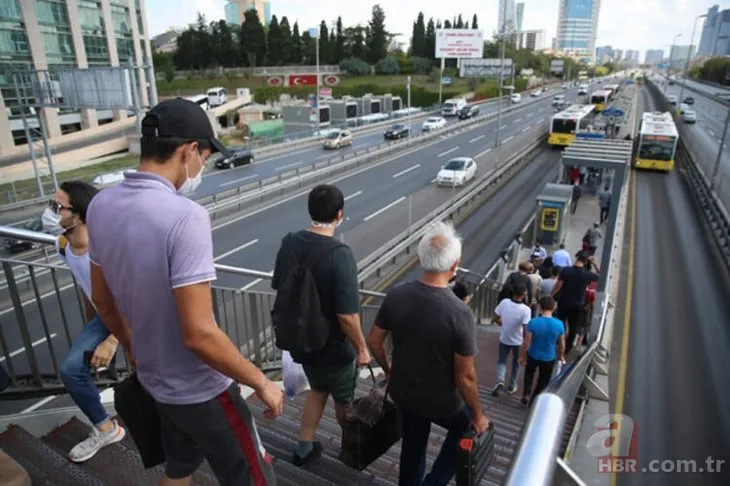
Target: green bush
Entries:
(421, 65)
(389, 66)
(355, 66)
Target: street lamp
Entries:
(503, 31)
(671, 57)
(408, 114)
(314, 32)
(689, 55)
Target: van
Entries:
(583, 89)
(217, 96)
(453, 106)
(516, 98)
(672, 100)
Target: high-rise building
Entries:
(604, 54)
(506, 20)
(52, 34)
(236, 9)
(632, 57)
(715, 36)
(519, 15)
(533, 40)
(679, 55)
(654, 57)
(618, 55)
(577, 26)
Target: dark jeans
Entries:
(604, 215)
(416, 430)
(573, 205)
(4, 379)
(571, 317)
(544, 371)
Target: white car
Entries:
(683, 107)
(433, 123)
(536, 93)
(457, 172)
(515, 98)
(689, 116)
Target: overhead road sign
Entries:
(591, 135)
(459, 43)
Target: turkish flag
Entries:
(302, 80)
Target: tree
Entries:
(418, 40)
(309, 53)
(460, 23)
(297, 52)
(474, 23)
(339, 46)
(355, 45)
(224, 49)
(447, 24)
(253, 39)
(324, 43)
(275, 55)
(430, 41)
(184, 57)
(203, 43)
(377, 37)
(286, 41)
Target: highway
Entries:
(676, 349)
(376, 210)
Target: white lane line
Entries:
(385, 208)
(503, 127)
(38, 404)
(31, 301)
(289, 166)
(712, 134)
(483, 153)
(253, 283)
(323, 156)
(22, 350)
(236, 181)
(405, 171)
(238, 248)
(507, 139)
(477, 138)
(517, 121)
(448, 151)
(434, 180)
(354, 194)
(525, 129)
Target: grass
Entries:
(28, 188)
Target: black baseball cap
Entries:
(181, 118)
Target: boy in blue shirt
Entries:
(544, 343)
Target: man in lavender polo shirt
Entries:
(152, 264)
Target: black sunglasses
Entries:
(56, 206)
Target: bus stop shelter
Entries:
(610, 155)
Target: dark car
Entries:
(239, 157)
(468, 111)
(16, 246)
(689, 100)
(397, 131)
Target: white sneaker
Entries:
(86, 449)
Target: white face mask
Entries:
(52, 223)
(191, 183)
(317, 224)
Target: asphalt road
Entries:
(678, 339)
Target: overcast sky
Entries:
(624, 24)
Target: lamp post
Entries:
(689, 55)
(314, 32)
(671, 57)
(408, 115)
(501, 70)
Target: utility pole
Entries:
(501, 70)
(441, 79)
(713, 181)
(408, 115)
(316, 95)
(689, 56)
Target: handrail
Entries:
(44, 238)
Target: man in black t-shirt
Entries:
(570, 293)
(433, 378)
(332, 369)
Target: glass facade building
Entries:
(577, 27)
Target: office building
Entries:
(236, 9)
(52, 34)
(506, 21)
(654, 57)
(519, 15)
(577, 27)
(165, 42)
(679, 55)
(632, 57)
(534, 40)
(715, 36)
(604, 54)
(618, 55)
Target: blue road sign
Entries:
(613, 112)
(591, 136)
(446, 80)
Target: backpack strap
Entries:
(62, 243)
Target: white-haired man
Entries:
(433, 378)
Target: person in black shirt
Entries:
(332, 369)
(570, 293)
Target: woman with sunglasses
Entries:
(65, 217)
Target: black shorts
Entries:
(221, 430)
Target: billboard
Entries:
(556, 66)
(459, 43)
(102, 87)
(485, 68)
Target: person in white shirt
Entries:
(513, 315)
(95, 346)
(561, 257)
(538, 251)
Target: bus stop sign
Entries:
(613, 112)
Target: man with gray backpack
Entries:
(316, 315)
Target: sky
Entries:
(623, 24)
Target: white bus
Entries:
(565, 125)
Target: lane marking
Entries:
(354, 194)
(289, 166)
(238, 248)
(236, 181)
(38, 404)
(448, 151)
(405, 171)
(712, 134)
(503, 127)
(477, 138)
(31, 301)
(322, 157)
(483, 153)
(507, 139)
(525, 129)
(253, 283)
(624, 354)
(517, 121)
(384, 209)
(18, 351)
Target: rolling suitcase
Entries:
(475, 454)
